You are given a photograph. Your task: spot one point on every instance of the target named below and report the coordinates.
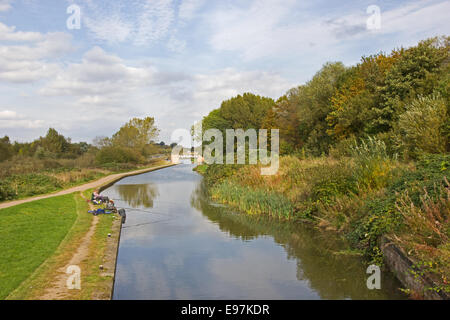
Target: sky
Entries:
(176, 60)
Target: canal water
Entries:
(176, 244)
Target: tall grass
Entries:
(372, 163)
(253, 201)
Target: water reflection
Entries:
(138, 195)
(320, 258)
(192, 249)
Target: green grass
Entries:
(29, 234)
(253, 201)
(201, 168)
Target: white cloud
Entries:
(188, 8)
(29, 60)
(10, 34)
(105, 84)
(99, 79)
(154, 22)
(417, 16)
(5, 5)
(229, 82)
(22, 124)
(110, 28)
(269, 28)
(139, 22)
(11, 119)
(8, 115)
(176, 45)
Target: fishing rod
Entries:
(171, 202)
(146, 223)
(146, 211)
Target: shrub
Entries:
(25, 185)
(330, 180)
(372, 164)
(384, 212)
(6, 191)
(421, 128)
(429, 174)
(342, 148)
(216, 173)
(118, 155)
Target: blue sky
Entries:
(177, 60)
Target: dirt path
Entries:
(91, 185)
(58, 290)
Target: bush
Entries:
(109, 155)
(421, 128)
(429, 174)
(330, 181)
(26, 185)
(342, 148)
(6, 191)
(373, 164)
(384, 213)
(216, 173)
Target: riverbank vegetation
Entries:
(364, 153)
(53, 162)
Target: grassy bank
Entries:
(29, 234)
(360, 198)
(96, 283)
(41, 279)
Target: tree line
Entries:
(134, 142)
(401, 98)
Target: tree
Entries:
(247, 111)
(6, 149)
(54, 142)
(101, 142)
(137, 133)
(241, 112)
(313, 106)
(353, 105)
(283, 116)
(416, 72)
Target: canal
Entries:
(176, 244)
